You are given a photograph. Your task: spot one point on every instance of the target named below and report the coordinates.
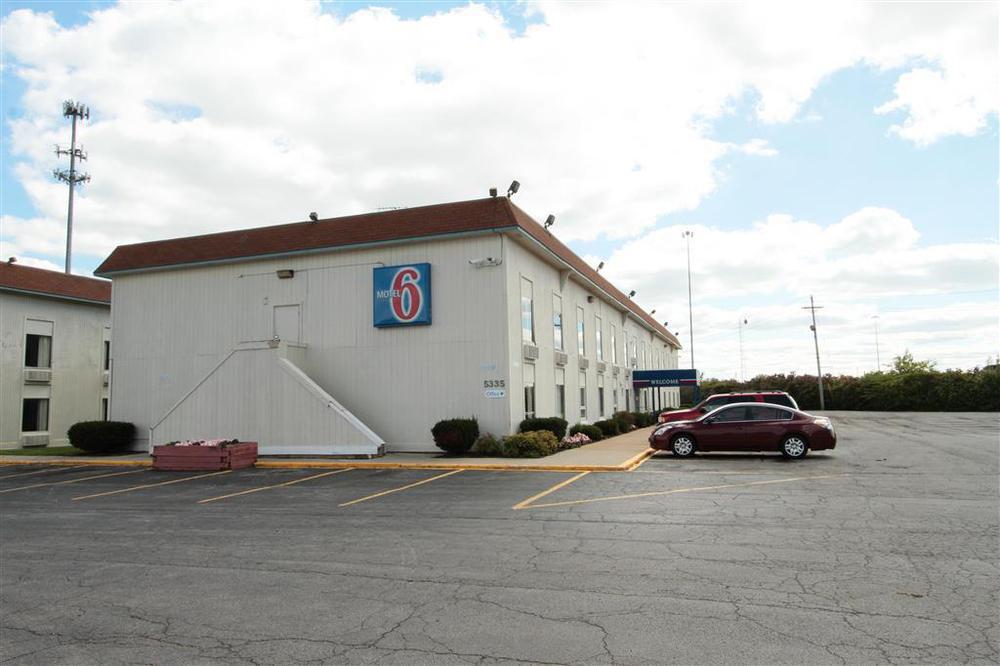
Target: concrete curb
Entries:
(626, 466)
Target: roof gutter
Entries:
(49, 294)
(301, 253)
(562, 262)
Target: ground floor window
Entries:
(600, 396)
(614, 400)
(561, 393)
(35, 415)
(583, 396)
(104, 409)
(529, 391)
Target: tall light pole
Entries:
(687, 237)
(819, 373)
(74, 110)
(878, 361)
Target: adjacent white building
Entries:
(55, 331)
(353, 336)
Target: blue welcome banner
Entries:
(654, 378)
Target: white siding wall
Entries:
(523, 263)
(172, 327)
(76, 388)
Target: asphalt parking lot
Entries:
(884, 550)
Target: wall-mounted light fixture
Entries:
(285, 273)
(590, 299)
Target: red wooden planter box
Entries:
(205, 458)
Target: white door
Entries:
(286, 323)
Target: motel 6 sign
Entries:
(402, 295)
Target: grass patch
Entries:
(51, 451)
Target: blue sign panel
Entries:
(402, 295)
(651, 378)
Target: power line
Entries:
(74, 110)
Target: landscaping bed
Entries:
(204, 455)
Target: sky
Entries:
(844, 151)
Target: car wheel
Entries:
(794, 447)
(682, 446)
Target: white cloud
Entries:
(223, 115)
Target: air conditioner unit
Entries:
(35, 440)
(601, 366)
(561, 358)
(530, 352)
(106, 377)
(37, 376)
(584, 363)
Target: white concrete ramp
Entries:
(260, 392)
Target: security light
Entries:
(285, 273)
(493, 191)
(549, 221)
(600, 266)
(631, 293)
(313, 216)
(653, 311)
(514, 187)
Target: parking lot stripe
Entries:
(151, 485)
(82, 478)
(636, 462)
(680, 490)
(523, 504)
(42, 471)
(407, 487)
(277, 485)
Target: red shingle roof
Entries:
(387, 226)
(53, 283)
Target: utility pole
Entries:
(743, 370)
(687, 236)
(878, 361)
(819, 373)
(74, 110)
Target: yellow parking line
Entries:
(82, 478)
(41, 471)
(680, 490)
(396, 490)
(562, 484)
(637, 461)
(151, 485)
(277, 485)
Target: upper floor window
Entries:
(614, 346)
(581, 346)
(38, 351)
(527, 311)
(107, 355)
(557, 326)
(598, 342)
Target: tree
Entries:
(907, 365)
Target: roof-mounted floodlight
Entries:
(313, 216)
(514, 187)
(549, 221)
(600, 266)
(631, 293)
(493, 191)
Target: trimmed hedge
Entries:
(591, 431)
(455, 436)
(625, 421)
(489, 445)
(101, 436)
(609, 427)
(532, 444)
(553, 424)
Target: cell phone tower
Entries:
(76, 111)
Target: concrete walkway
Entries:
(618, 454)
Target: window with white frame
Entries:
(583, 396)
(34, 415)
(527, 311)
(598, 342)
(560, 393)
(37, 351)
(614, 346)
(600, 396)
(557, 324)
(581, 345)
(529, 391)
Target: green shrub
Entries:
(553, 424)
(531, 444)
(591, 431)
(488, 445)
(455, 436)
(625, 421)
(644, 419)
(609, 427)
(101, 436)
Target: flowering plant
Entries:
(205, 442)
(573, 441)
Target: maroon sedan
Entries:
(747, 426)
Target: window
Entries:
(557, 331)
(600, 395)
(107, 355)
(714, 403)
(35, 415)
(104, 409)
(38, 351)
(614, 346)
(768, 414)
(778, 399)
(730, 414)
(561, 393)
(614, 400)
(527, 311)
(529, 391)
(581, 347)
(583, 396)
(598, 342)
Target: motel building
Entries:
(55, 332)
(355, 335)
